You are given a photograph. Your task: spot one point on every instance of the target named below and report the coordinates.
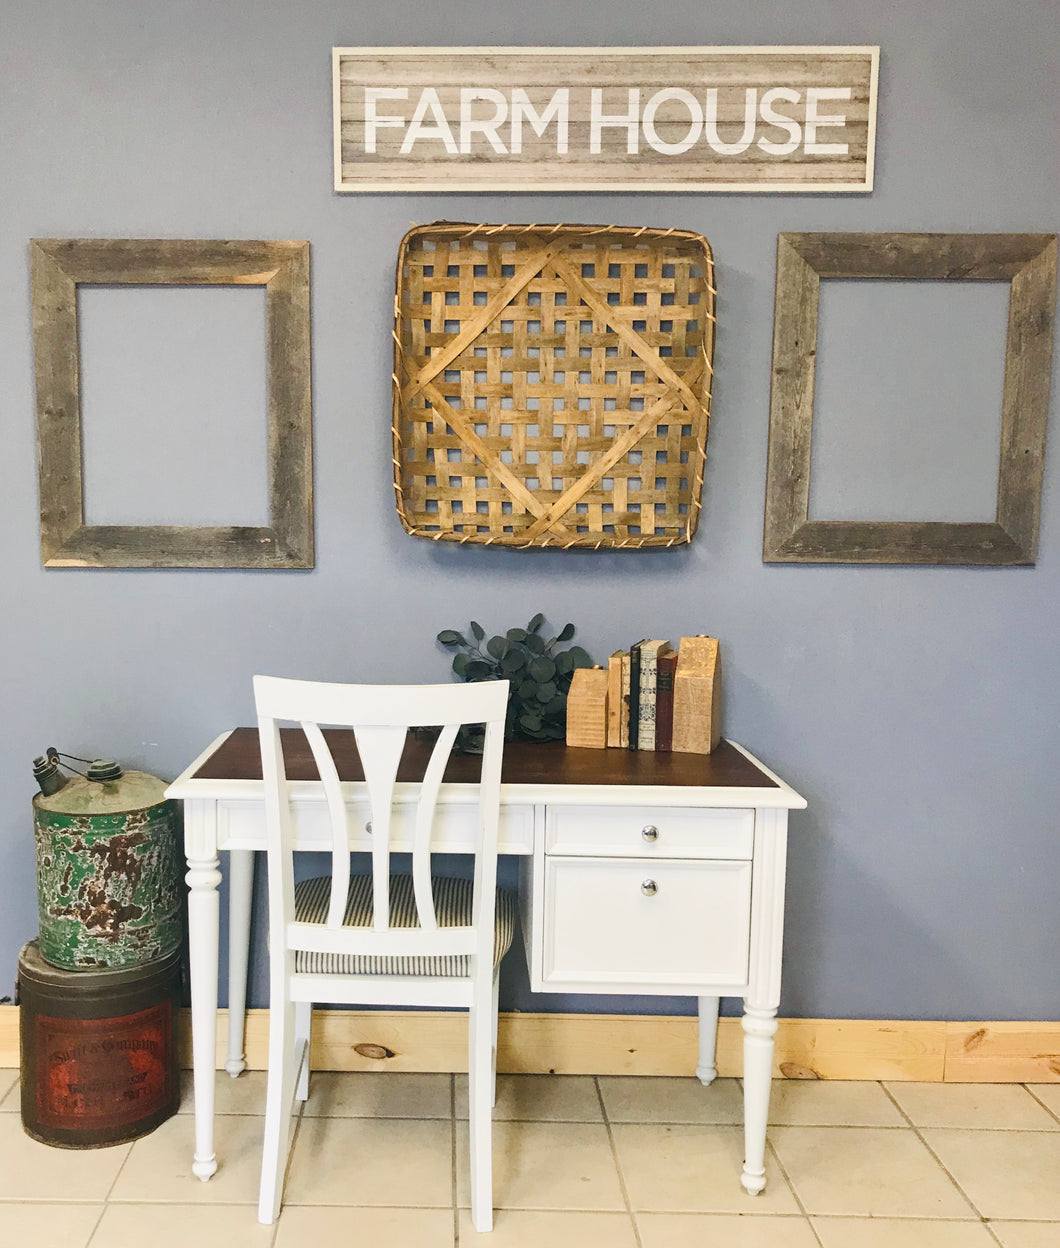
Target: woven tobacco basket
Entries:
(552, 384)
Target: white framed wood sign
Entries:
(780, 119)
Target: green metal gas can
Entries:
(108, 869)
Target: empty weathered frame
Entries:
(1028, 262)
(58, 267)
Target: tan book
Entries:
(697, 696)
(587, 708)
(614, 698)
(624, 709)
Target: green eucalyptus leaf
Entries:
(566, 633)
(542, 668)
(534, 643)
(513, 661)
(532, 723)
(449, 637)
(557, 706)
(516, 634)
(478, 669)
(555, 732)
(564, 663)
(579, 657)
(535, 623)
(497, 646)
(460, 662)
(527, 689)
(547, 691)
(480, 632)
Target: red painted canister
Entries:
(98, 1050)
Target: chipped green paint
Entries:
(108, 885)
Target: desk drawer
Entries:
(615, 922)
(242, 826)
(649, 831)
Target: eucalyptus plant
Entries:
(539, 670)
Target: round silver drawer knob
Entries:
(649, 888)
(368, 827)
(650, 832)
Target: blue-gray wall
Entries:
(915, 708)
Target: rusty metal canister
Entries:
(108, 870)
(99, 1058)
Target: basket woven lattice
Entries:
(552, 384)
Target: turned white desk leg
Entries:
(203, 929)
(240, 892)
(759, 1028)
(763, 995)
(707, 1071)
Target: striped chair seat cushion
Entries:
(452, 905)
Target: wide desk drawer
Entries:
(610, 922)
(649, 831)
(241, 825)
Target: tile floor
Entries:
(591, 1163)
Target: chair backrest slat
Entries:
(380, 716)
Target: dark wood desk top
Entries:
(238, 758)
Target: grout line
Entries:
(95, 1228)
(770, 1150)
(618, 1164)
(1048, 1109)
(945, 1170)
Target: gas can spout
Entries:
(47, 774)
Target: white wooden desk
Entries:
(640, 873)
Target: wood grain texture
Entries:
(616, 1044)
(1029, 263)
(697, 696)
(704, 118)
(57, 268)
(587, 708)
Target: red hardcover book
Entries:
(664, 700)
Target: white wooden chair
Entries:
(381, 939)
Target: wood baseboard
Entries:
(628, 1044)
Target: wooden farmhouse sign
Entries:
(615, 119)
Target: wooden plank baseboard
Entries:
(627, 1044)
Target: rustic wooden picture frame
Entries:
(1028, 262)
(58, 267)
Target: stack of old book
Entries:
(650, 697)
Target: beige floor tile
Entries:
(244, 1095)
(831, 1103)
(546, 1165)
(48, 1226)
(159, 1166)
(178, 1226)
(1027, 1234)
(540, 1098)
(524, 1228)
(901, 1233)
(631, 1099)
(32, 1171)
(723, 1230)
(372, 1161)
(867, 1172)
(355, 1094)
(991, 1106)
(694, 1169)
(1005, 1174)
(302, 1225)
(1048, 1094)
(9, 1094)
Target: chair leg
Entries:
(480, 1112)
(279, 1104)
(493, 1071)
(303, 1031)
